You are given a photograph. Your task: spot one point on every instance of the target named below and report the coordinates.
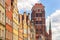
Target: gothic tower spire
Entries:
(50, 32)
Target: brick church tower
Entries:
(38, 17)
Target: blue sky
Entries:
(51, 6)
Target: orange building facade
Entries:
(8, 5)
(20, 32)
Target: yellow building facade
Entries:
(28, 23)
(2, 32)
(25, 27)
(15, 25)
(29, 30)
(2, 21)
(15, 21)
(32, 30)
(20, 28)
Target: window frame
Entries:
(40, 22)
(38, 14)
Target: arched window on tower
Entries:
(40, 22)
(40, 31)
(38, 10)
(40, 14)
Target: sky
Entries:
(52, 11)
(55, 24)
(51, 6)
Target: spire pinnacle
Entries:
(49, 24)
(50, 32)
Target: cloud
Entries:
(55, 20)
(26, 4)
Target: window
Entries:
(15, 6)
(15, 16)
(2, 2)
(36, 22)
(28, 30)
(22, 17)
(40, 14)
(36, 14)
(6, 19)
(2, 14)
(40, 31)
(12, 2)
(10, 22)
(15, 26)
(3, 33)
(38, 10)
(7, 34)
(40, 22)
(10, 35)
(9, 7)
(25, 31)
(3, 18)
(36, 29)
